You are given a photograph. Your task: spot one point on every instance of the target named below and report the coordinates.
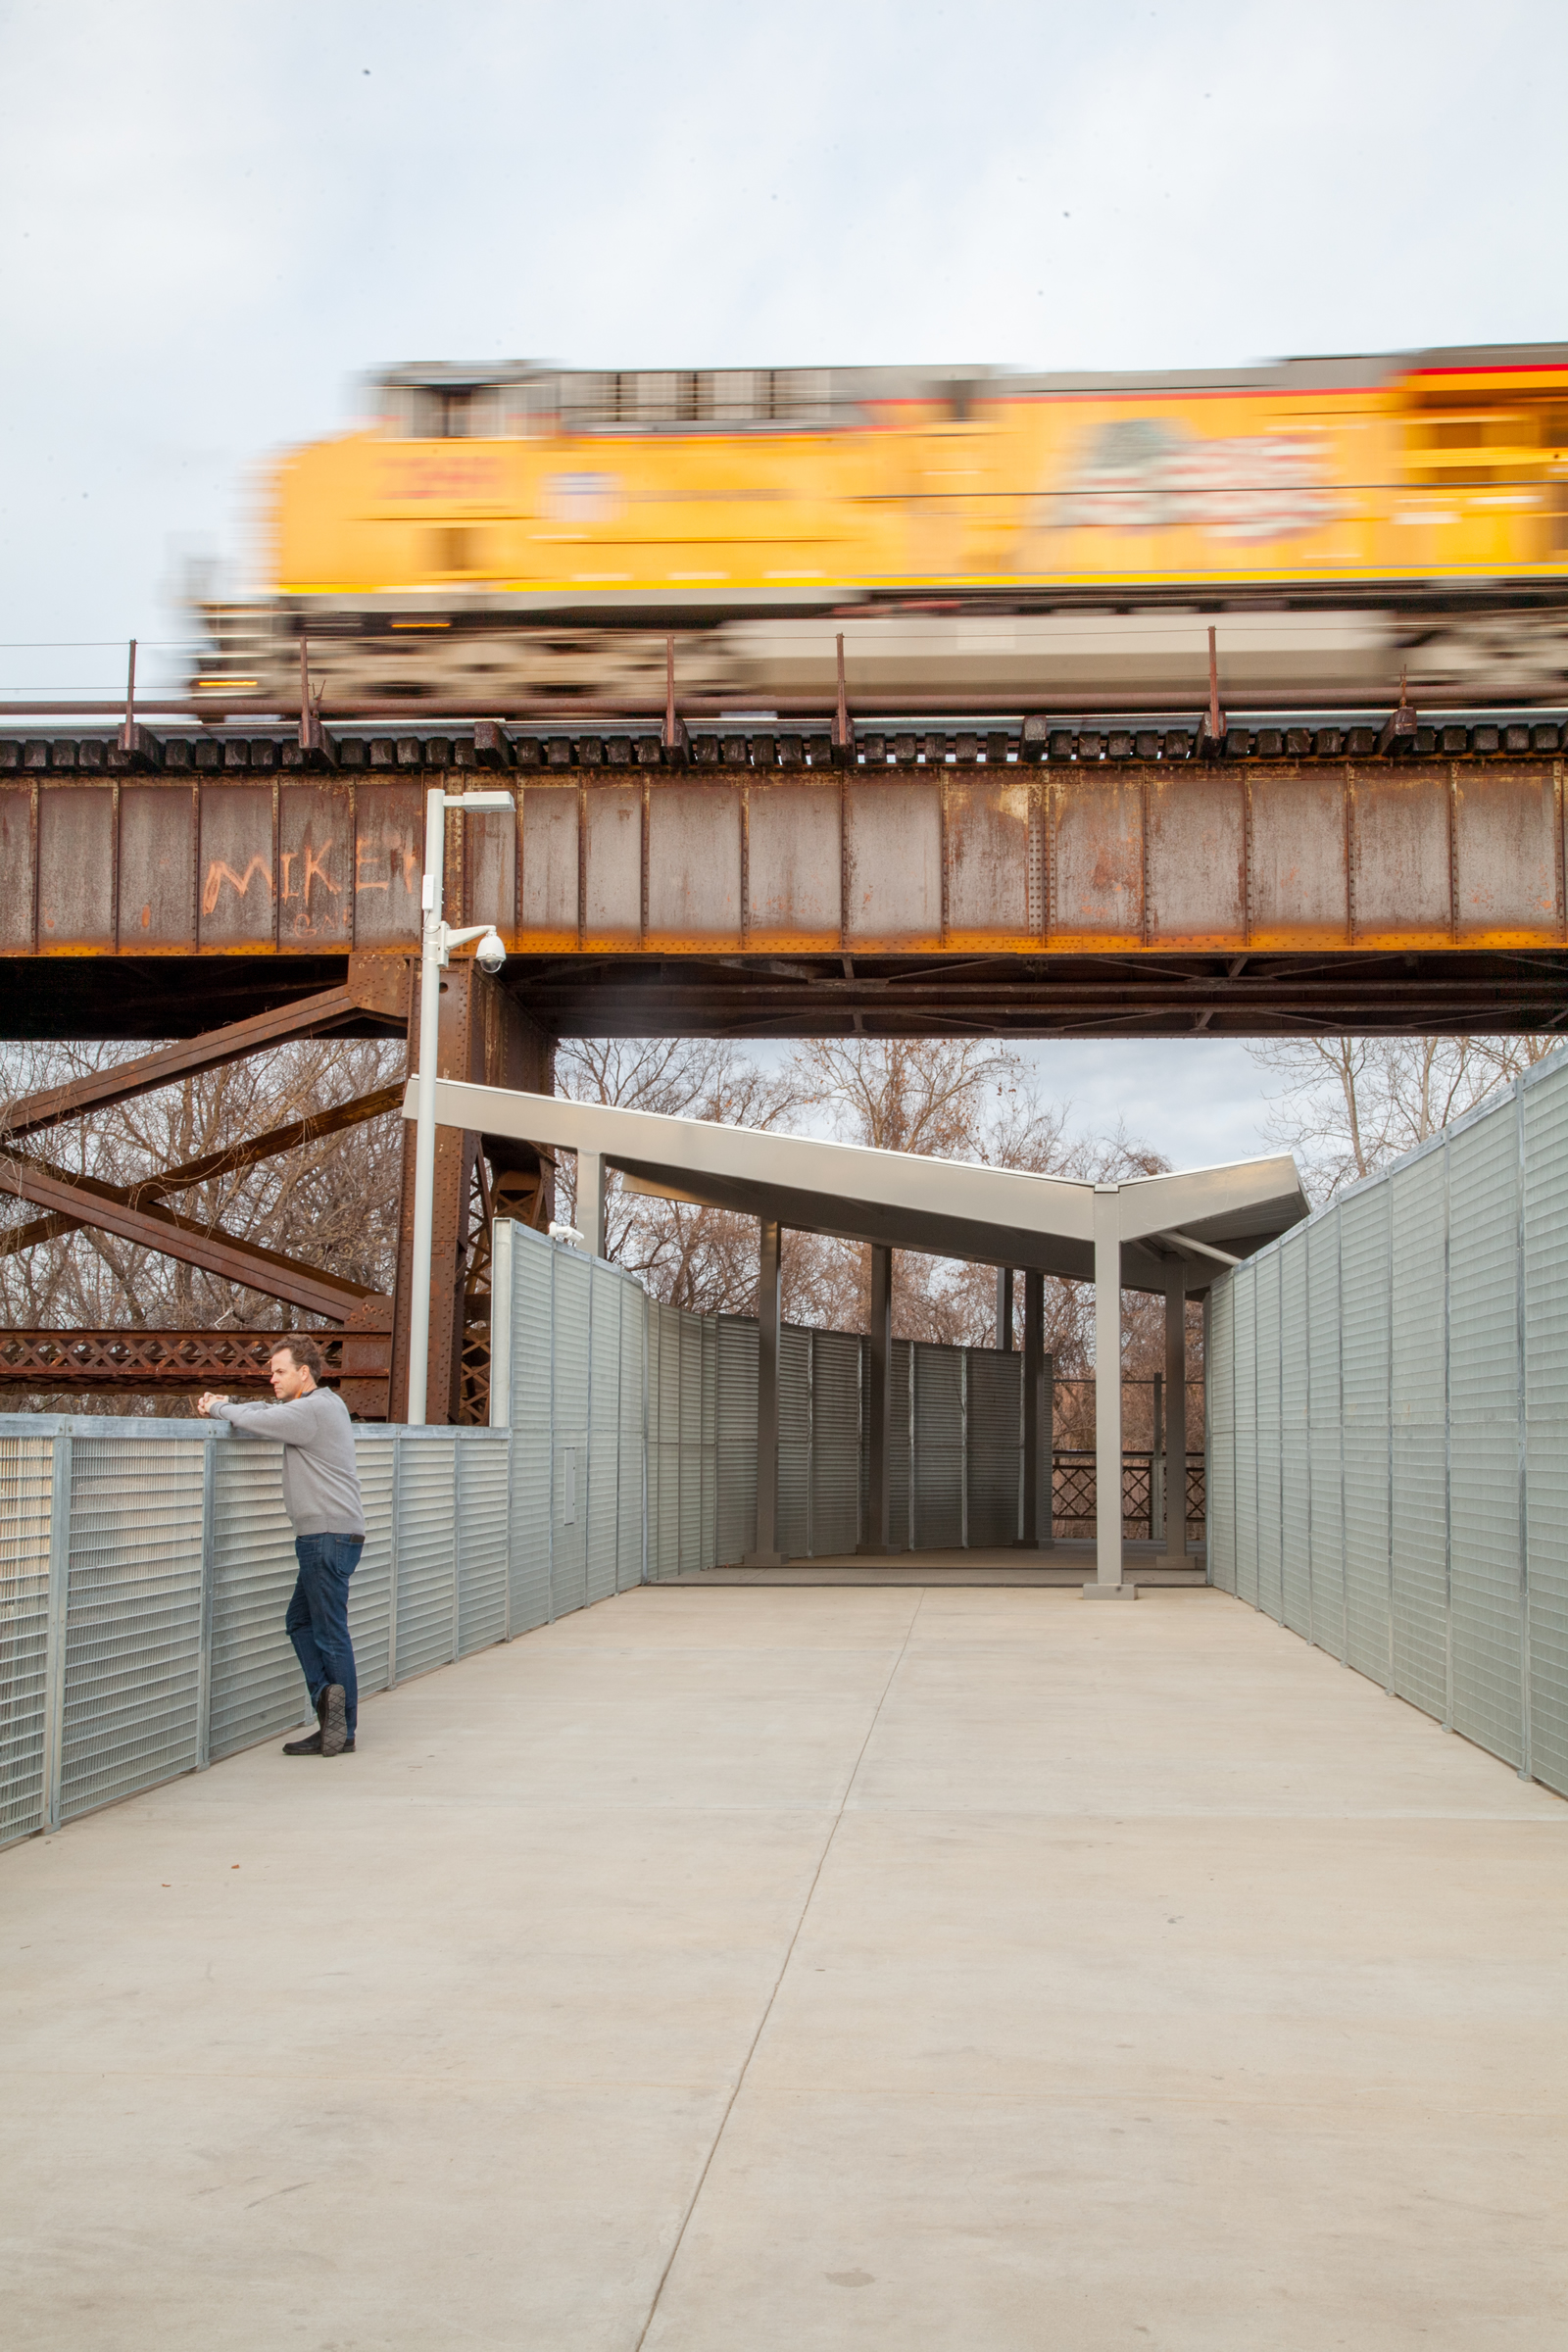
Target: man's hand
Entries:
(209, 1404)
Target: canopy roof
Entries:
(949, 1209)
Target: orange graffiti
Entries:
(396, 846)
(315, 870)
(218, 873)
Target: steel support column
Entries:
(1108, 1395)
(486, 1039)
(1003, 1337)
(1039, 1416)
(879, 1406)
(591, 1201)
(1174, 1554)
(767, 1553)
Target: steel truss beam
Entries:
(216, 1163)
(108, 1208)
(372, 986)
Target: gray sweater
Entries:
(320, 1485)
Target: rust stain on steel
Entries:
(238, 886)
(1097, 857)
(1098, 860)
(795, 866)
(1506, 842)
(1402, 856)
(1297, 859)
(157, 856)
(76, 870)
(315, 864)
(388, 864)
(548, 914)
(17, 869)
(893, 859)
(987, 848)
(490, 871)
(694, 865)
(1195, 853)
(612, 865)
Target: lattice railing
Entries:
(150, 1359)
(1074, 1493)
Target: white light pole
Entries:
(436, 941)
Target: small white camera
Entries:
(490, 954)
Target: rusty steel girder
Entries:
(1100, 856)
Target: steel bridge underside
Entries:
(952, 993)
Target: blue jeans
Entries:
(318, 1620)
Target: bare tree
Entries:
(1347, 1106)
(331, 1202)
(701, 1258)
(970, 1100)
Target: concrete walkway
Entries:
(776, 1970)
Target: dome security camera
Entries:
(490, 954)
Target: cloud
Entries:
(214, 218)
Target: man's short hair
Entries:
(308, 1356)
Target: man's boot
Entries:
(334, 1720)
(311, 1746)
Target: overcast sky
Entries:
(213, 217)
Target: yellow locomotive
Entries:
(524, 537)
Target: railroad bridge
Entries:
(234, 886)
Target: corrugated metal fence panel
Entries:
(569, 1473)
(133, 1626)
(371, 1590)
(481, 1475)
(630, 1439)
(1243, 1293)
(1546, 1280)
(737, 1439)
(901, 1382)
(603, 1445)
(532, 1350)
(1221, 1481)
(669, 1402)
(691, 1445)
(996, 1385)
(1417, 1386)
(937, 1447)
(1364, 1308)
(794, 1443)
(1296, 1484)
(426, 1551)
(1326, 1441)
(26, 1470)
(835, 1441)
(652, 1471)
(1270, 1594)
(1484, 1436)
(710, 1330)
(256, 1688)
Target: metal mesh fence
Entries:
(26, 1476)
(1419, 1502)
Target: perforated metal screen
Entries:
(1416, 1497)
(27, 1473)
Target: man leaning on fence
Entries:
(322, 1495)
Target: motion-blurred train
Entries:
(525, 537)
